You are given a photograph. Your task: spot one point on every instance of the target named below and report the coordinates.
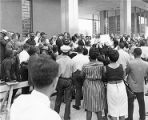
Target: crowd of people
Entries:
(78, 67)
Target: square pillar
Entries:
(69, 16)
(93, 24)
(125, 16)
(104, 22)
(0, 15)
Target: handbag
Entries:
(130, 93)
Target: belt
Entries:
(115, 82)
(91, 79)
(64, 78)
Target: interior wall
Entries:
(47, 16)
(10, 15)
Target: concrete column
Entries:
(11, 15)
(125, 16)
(0, 14)
(135, 21)
(116, 21)
(146, 24)
(69, 16)
(104, 22)
(98, 23)
(93, 24)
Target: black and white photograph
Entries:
(73, 59)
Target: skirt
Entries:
(117, 100)
(93, 95)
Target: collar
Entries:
(120, 49)
(137, 58)
(65, 56)
(42, 98)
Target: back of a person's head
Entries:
(137, 51)
(142, 43)
(85, 51)
(43, 71)
(33, 50)
(113, 55)
(93, 53)
(25, 46)
(121, 39)
(121, 45)
(115, 42)
(8, 53)
(80, 43)
(79, 49)
(55, 48)
(2, 35)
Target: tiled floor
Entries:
(81, 114)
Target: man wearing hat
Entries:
(66, 68)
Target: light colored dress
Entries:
(116, 94)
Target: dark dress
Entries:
(116, 93)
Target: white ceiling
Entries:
(94, 6)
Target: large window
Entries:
(85, 26)
(114, 21)
(140, 18)
(27, 17)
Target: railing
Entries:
(6, 91)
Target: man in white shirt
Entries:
(37, 37)
(23, 59)
(79, 60)
(24, 56)
(123, 56)
(36, 106)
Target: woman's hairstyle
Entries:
(93, 53)
(113, 55)
(85, 51)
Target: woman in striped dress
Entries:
(93, 87)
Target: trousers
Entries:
(141, 103)
(78, 83)
(64, 87)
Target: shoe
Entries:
(76, 107)
(104, 118)
(67, 118)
